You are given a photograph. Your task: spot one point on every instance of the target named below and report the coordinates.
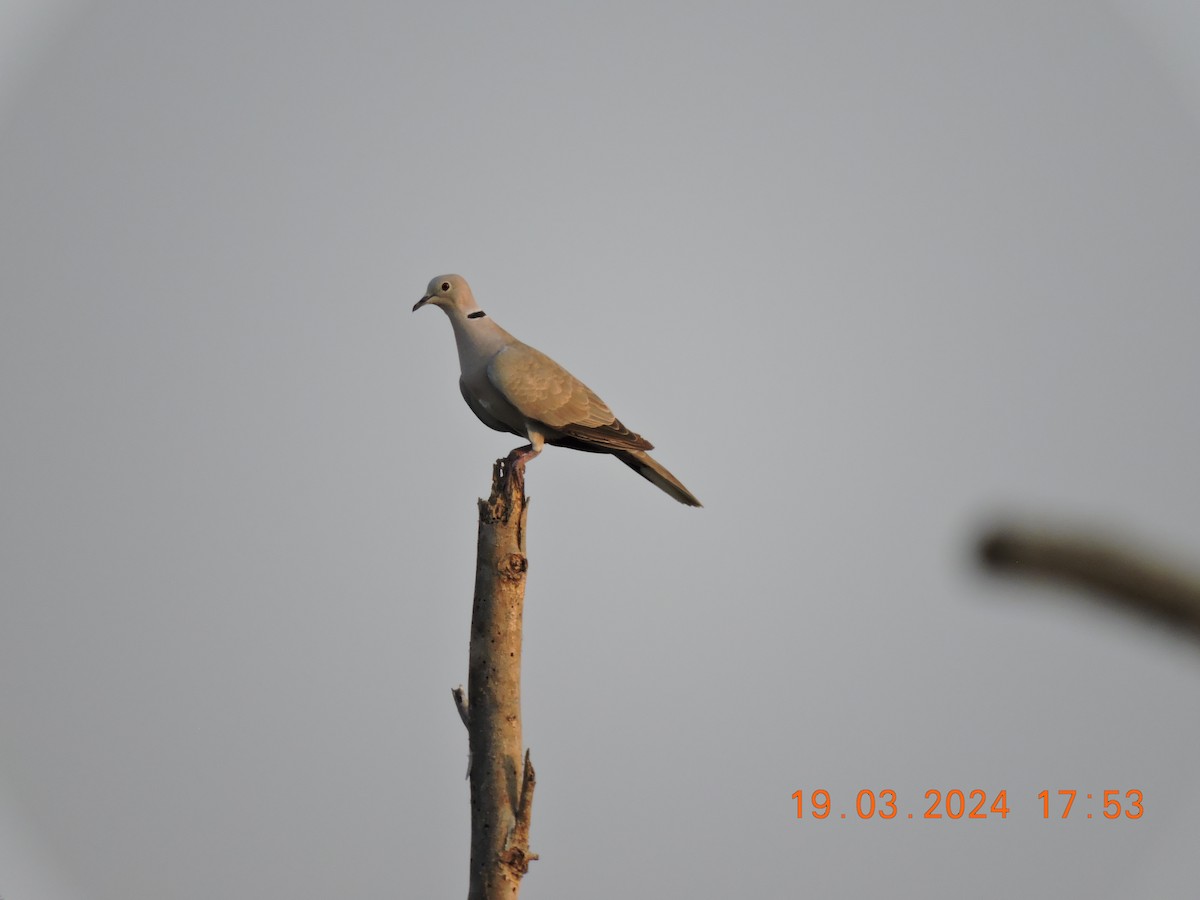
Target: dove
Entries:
(512, 387)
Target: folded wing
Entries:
(543, 391)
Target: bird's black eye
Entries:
(445, 285)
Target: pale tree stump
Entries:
(502, 777)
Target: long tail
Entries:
(653, 471)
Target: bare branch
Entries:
(501, 781)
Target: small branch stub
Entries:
(460, 701)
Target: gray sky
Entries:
(866, 273)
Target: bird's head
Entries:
(450, 292)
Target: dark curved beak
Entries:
(422, 302)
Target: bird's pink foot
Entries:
(522, 455)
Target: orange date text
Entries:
(957, 803)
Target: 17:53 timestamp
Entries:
(1112, 806)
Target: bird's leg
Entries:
(522, 455)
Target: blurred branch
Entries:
(1116, 572)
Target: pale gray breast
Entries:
(488, 405)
